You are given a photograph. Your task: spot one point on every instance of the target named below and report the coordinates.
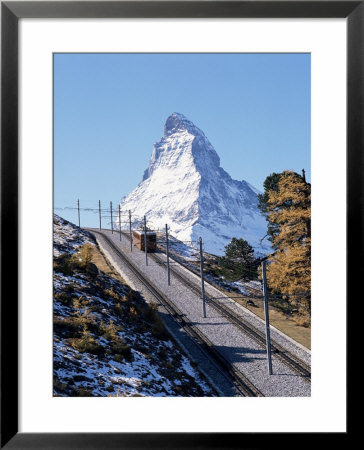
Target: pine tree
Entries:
(239, 261)
(289, 207)
(270, 184)
(239, 250)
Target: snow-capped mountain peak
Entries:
(179, 134)
(185, 187)
(178, 123)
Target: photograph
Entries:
(182, 225)
(165, 166)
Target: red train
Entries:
(138, 240)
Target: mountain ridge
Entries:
(185, 187)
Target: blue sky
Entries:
(109, 109)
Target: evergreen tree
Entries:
(238, 262)
(289, 207)
(270, 184)
(239, 250)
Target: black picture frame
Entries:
(11, 12)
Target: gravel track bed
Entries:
(223, 386)
(241, 350)
(286, 342)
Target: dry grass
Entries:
(278, 319)
(302, 321)
(86, 344)
(103, 265)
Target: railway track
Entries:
(241, 383)
(292, 361)
(297, 365)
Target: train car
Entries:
(138, 240)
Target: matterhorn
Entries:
(185, 187)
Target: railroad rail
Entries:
(292, 361)
(242, 384)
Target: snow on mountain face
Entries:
(185, 187)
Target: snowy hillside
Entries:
(185, 187)
(107, 340)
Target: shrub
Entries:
(63, 297)
(63, 264)
(85, 254)
(118, 348)
(118, 308)
(82, 392)
(82, 311)
(133, 312)
(96, 308)
(111, 293)
(122, 350)
(110, 332)
(87, 344)
(70, 324)
(81, 260)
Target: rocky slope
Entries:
(107, 340)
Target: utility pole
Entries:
(100, 213)
(145, 241)
(112, 229)
(168, 271)
(266, 313)
(131, 238)
(202, 280)
(78, 207)
(120, 221)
